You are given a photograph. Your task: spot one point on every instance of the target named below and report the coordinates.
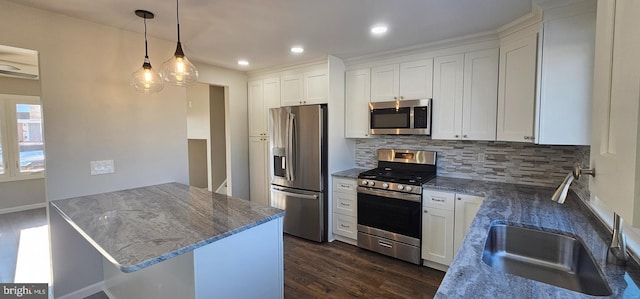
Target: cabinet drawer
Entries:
(438, 200)
(345, 185)
(345, 203)
(345, 226)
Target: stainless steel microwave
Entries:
(412, 117)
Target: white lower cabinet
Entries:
(446, 218)
(345, 209)
(437, 235)
(467, 207)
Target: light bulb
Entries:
(178, 70)
(146, 80)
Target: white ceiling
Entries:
(220, 32)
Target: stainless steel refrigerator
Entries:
(298, 151)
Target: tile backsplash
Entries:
(508, 162)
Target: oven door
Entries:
(390, 211)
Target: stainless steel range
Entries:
(390, 203)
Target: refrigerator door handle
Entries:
(297, 195)
(290, 152)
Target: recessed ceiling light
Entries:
(379, 29)
(243, 62)
(297, 49)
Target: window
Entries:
(21, 140)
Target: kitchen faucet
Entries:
(561, 193)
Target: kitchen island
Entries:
(175, 241)
(469, 277)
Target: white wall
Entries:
(91, 113)
(235, 84)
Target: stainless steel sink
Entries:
(552, 258)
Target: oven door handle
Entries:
(390, 194)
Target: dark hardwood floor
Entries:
(340, 270)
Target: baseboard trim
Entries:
(85, 292)
(23, 208)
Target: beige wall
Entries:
(91, 113)
(198, 111)
(27, 192)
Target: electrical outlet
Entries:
(481, 157)
(102, 167)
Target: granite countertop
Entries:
(140, 227)
(349, 173)
(469, 277)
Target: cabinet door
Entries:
(315, 87)
(466, 208)
(271, 89)
(614, 132)
(385, 83)
(416, 80)
(517, 89)
(292, 90)
(258, 170)
(447, 97)
(437, 235)
(257, 116)
(480, 100)
(357, 97)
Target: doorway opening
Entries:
(206, 135)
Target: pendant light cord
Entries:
(146, 48)
(178, 19)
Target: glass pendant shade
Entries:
(147, 80)
(178, 70)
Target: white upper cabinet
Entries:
(546, 78)
(256, 109)
(465, 90)
(447, 97)
(517, 89)
(480, 98)
(416, 79)
(406, 81)
(385, 83)
(262, 95)
(357, 95)
(304, 89)
(315, 87)
(292, 87)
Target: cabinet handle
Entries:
(401, 97)
(345, 186)
(345, 204)
(464, 136)
(437, 199)
(459, 198)
(385, 244)
(457, 136)
(425, 211)
(344, 226)
(395, 98)
(529, 138)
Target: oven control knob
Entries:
(364, 182)
(400, 187)
(372, 183)
(385, 185)
(408, 188)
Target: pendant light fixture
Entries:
(178, 70)
(146, 80)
